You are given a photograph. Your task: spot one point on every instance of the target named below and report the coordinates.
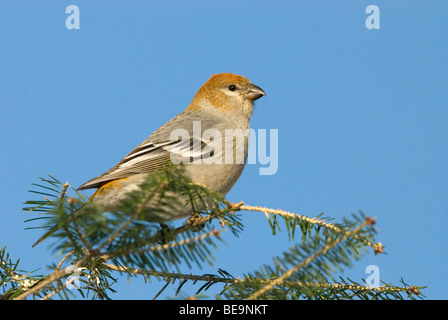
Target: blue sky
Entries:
(362, 115)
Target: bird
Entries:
(216, 117)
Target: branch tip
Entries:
(72, 200)
(378, 248)
(414, 290)
(235, 206)
(370, 221)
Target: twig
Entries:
(377, 247)
(209, 278)
(182, 242)
(170, 274)
(63, 259)
(48, 296)
(54, 276)
(64, 190)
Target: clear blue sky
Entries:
(362, 114)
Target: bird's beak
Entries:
(254, 92)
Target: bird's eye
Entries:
(232, 87)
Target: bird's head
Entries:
(227, 93)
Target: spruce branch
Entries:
(294, 218)
(356, 289)
(295, 269)
(96, 245)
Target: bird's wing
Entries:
(154, 153)
(149, 157)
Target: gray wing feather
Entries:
(154, 153)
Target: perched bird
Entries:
(215, 119)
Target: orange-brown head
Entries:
(227, 93)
